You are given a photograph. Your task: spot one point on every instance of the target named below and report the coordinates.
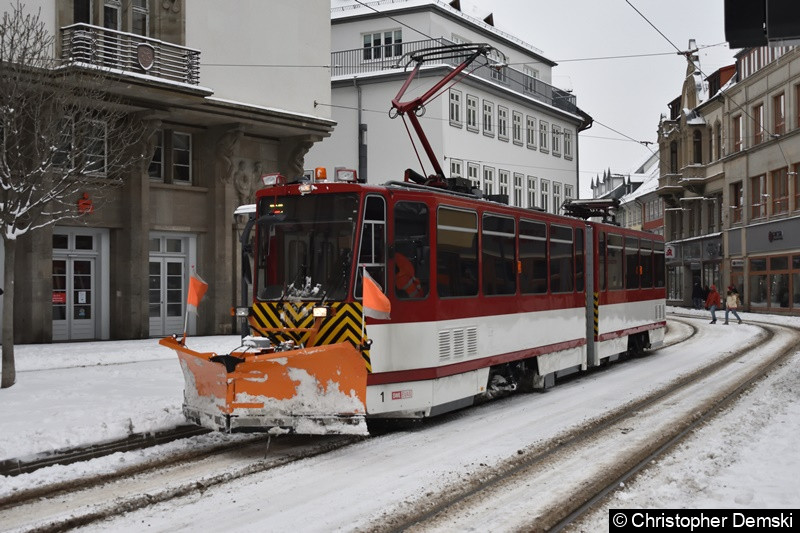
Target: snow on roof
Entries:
(470, 11)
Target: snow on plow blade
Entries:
(317, 390)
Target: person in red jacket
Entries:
(713, 303)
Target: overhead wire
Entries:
(722, 90)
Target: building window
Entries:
(156, 168)
(502, 177)
(673, 157)
(455, 108)
(556, 197)
(556, 140)
(568, 193)
(497, 68)
(530, 128)
(383, 45)
(455, 168)
(780, 190)
(543, 133)
(567, 144)
(502, 123)
(95, 152)
(796, 180)
(112, 15)
(516, 127)
(736, 202)
(758, 197)
(518, 179)
(758, 124)
(488, 181)
(472, 174)
(140, 18)
(472, 113)
(797, 106)
(779, 114)
(82, 12)
(697, 147)
(172, 158)
(531, 191)
(488, 118)
(738, 133)
(530, 75)
(544, 195)
(718, 140)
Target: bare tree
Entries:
(63, 135)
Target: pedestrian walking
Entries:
(713, 302)
(732, 303)
(697, 296)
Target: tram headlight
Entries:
(320, 312)
(241, 312)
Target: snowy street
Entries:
(72, 394)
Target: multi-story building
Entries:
(730, 154)
(229, 92)
(503, 126)
(642, 208)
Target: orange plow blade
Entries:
(317, 390)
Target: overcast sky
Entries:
(627, 94)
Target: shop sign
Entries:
(59, 297)
(775, 236)
(737, 263)
(670, 251)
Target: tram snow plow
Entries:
(314, 390)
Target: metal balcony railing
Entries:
(374, 59)
(128, 52)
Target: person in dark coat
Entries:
(697, 296)
(713, 303)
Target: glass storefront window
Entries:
(779, 290)
(758, 290)
(779, 263)
(796, 290)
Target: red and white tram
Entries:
(485, 298)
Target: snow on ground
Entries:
(70, 394)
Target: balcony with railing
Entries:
(348, 63)
(128, 52)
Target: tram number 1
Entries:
(398, 395)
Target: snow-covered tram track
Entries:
(68, 504)
(549, 487)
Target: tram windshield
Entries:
(305, 249)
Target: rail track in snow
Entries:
(552, 486)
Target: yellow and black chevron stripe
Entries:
(342, 324)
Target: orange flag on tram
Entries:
(197, 289)
(376, 304)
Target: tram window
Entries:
(659, 267)
(497, 255)
(533, 257)
(561, 260)
(646, 260)
(632, 270)
(457, 253)
(614, 262)
(580, 259)
(411, 250)
(372, 252)
(601, 260)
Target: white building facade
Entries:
(504, 127)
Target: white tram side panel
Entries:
(434, 350)
(617, 320)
